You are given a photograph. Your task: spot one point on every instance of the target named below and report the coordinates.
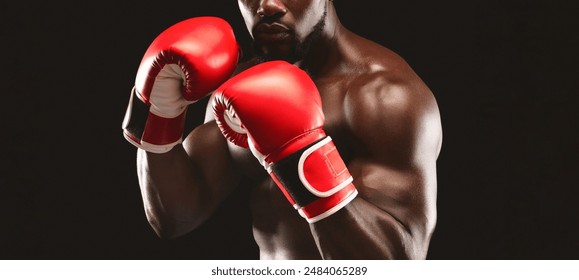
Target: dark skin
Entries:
(382, 117)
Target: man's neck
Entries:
(323, 54)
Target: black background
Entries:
(504, 74)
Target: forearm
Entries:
(362, 231)
(171, 188)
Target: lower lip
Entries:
(271, 37)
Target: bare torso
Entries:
(359, 70)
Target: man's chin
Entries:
(276, 53)
(271, 57)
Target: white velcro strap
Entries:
(314, 217)
(159, 149)
(143, 145)
(321, 169)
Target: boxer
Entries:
(334, 136)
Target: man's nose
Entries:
(271, 8)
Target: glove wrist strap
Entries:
(315, 180)
(148, 131)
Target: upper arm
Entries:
(398, 125)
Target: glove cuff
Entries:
(150, 132)
(315, 180)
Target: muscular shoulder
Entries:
(395, 119)
(394, 113)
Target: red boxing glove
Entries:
(275, 109)
(182, 65)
